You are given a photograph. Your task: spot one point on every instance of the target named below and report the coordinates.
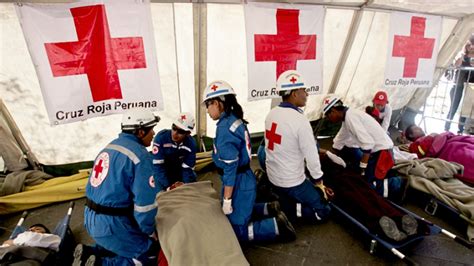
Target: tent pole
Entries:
(200, 67)
(19, 137)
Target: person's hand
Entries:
(322, 187)
(336, 159)
(329, 192)
(227, 206)
(362, 166)
(8, 242)
(175, 185)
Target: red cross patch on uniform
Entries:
(151, 181)
(155, 149)
(100, 170)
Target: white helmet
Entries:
(217, 88)
(331, 101)
(139, 118)
(288, 81)
(185, 121)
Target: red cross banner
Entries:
(413, 42)
(283, 37)
(92, 58)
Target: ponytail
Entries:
(232, 106)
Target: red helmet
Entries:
(380, 98)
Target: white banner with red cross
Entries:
(413, 42)
(92, 58)
(283, 37)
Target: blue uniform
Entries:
(173, 162)
(232, 153)
(122, 178)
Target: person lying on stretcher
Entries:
(37, 235)
(355, 196)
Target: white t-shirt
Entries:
(360, 130)
(289, 141)
(385, 116)
(33, 239)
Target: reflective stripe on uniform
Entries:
(251, 235)
(317, 216)
(145, 208)
(185, 148)
(162, 161)
(229, 161)
(186, 166)
(235, 125)
(124, 151)
(298, 210)
(385, 188)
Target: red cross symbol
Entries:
(98, 169)
(183, 117)
(287, 46)
(214, 87)
(272, 136)
(326, 101)
(413, 47)
(96, 53)
(293, 80)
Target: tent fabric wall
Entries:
(361, 75)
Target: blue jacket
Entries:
(173, 162)
(232, 148)
(122, 177)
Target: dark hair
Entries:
(409, 132)
(232, 106)
(42, 226)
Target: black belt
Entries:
(240, 170)
(113, 211)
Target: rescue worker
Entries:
(232, 155)
(120, 206)
(359, 131)
(380, 102)
(174, 152)
(289, 142)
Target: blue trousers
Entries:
(243, 205)
(389, 187)
(117, 235)
(303, 201)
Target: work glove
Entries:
(362, 166)
(336, 159)
(321, 186)
(227, 206)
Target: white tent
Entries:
(200, 41)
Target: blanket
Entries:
(17, 181)
(193, 230)
(436, 177)
(449, 147)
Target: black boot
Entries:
(286, 231)
(273, 208)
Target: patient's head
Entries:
(39, 228)
(414, 132)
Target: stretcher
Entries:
(395, 247)
(63, 256)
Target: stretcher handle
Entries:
(409, 261)
(456, 238)
(71, 204)
(463, 242)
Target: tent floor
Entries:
(334, 242)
